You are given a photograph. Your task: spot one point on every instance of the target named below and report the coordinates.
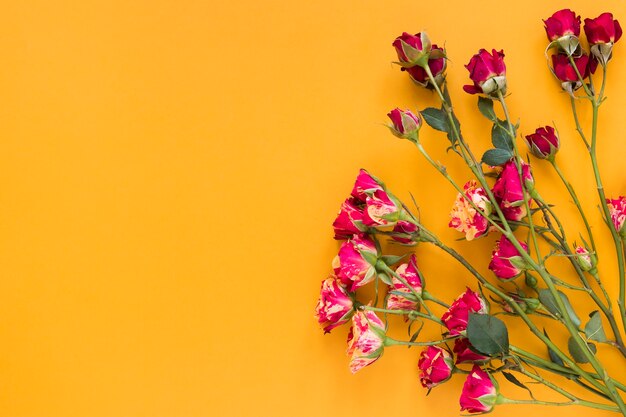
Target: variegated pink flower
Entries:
(335, 306)
(351, 265)
(380, 210)
(506, 261)
(585, 260)
(365, 340)
(464, 354)
(349, 221)
(409, 272)
(435, 365)
(464, 217)
(405, 232)
(365, 185)
(617, 209)
(455, 319)
(479, 392)
(509, 191)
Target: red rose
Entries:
(405, 124)
(544, 143)
(563, 29)
(602, 32)
(412, 48)
(437, 66)
(565, 72)
(488, 72)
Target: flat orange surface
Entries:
(169, 172)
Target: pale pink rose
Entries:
(365, 339)
(617, 208)
(335, 306)
(506, 261)
(479, 392)
(464, 354)
(465, 218)
(435, 365)
(409, 272)
(351, 266)
(349, 221)
(509, 192)
(455, 319)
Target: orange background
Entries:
(169, 172)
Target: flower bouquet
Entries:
(502, 198)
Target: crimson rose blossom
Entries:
(409, 272)
(509, 192)
(544, 143)
(365, 340)
(349, 221)
(563, 28)
(506, 261)
(566, 74)
(335, 306)
(602, 33)
(405, 124)
(351, 266)
(464, 217)
(488, 73)
(437, 66)
(455, 319)
(410, 48)
(617, 209)
(435, 365)
(479, 392)
(464, 354)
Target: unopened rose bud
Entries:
(509, 190)
(412, 49)
(404, 123)
(409, 273)
(437, 66)
(464, 354)
(585, 259)
(406, 233)
(479, 394)
(435, 365)
(353, 265)
(566, 73)
(617, 209)
(544, 143)
(602, 33)
(563, 29)
(488, 72)
(506, 261)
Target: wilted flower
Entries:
(455, 319)
(409, 272)
(435, 365)
(365, 339)
(352, 265)
(479, 392)
(465, 218)
(506, 261)
(335, 305)
(488, 73)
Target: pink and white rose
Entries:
(409, 272)
(365, 340)
(381, 208)
(464, 217)
(351, 265)
(349, 221)
(506, 261)
(457, 316)
(335, 306)
(617, 209)
(585, 259)
(435, 365)
(479, 392)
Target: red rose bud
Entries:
(412, 49)
(436, 64)
(506, 261)
(602, 33)
(435, 365)
(563, 29)
(405, 124)
(488, 73)
(544, 143)
(409, 273)
(354, 265)
(479, 392)
(509, 192)
(381, 208)
(585, 259)
(617, 209)
(566, 74)
(464, 217)
(405, 232)
(528, 305)
(349, 221)
(335, 306)
(365, 340)
(455, 319)
(464, 354)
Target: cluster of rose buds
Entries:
(571, 64)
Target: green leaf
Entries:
(436, 118)
(594, 329)
(577, 352)
(546, 298)
(512, 379)
(500, 137)
(485, 106)
(495, 157)
(487, 334)
(553, 356)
